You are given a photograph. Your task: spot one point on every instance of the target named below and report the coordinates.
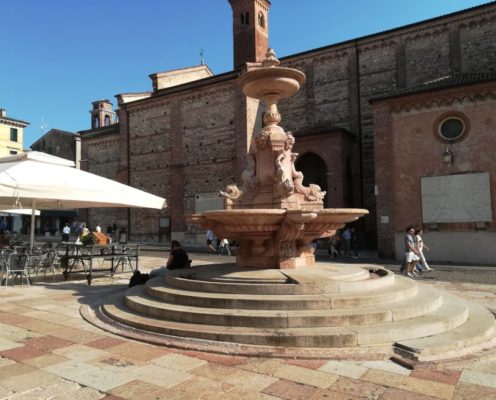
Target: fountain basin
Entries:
(275, 238)
(277, 82)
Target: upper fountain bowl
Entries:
(276, 82)
(271, 80)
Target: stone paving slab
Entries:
(47, 351)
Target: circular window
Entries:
(451, 128)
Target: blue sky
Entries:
(57, 56)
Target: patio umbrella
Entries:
(44, 182)
(21, 211)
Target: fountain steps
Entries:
(475, 334)
(400, 289)
(294, 316)
(281, 282)
(451, 314)
(426, 300)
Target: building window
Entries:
(107, 120)
(451, 128)
(13, 152)
(97, 122)
(261, 19)
(13, 135)
(245, 19)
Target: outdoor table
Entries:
(84, 254)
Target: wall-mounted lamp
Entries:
(448, 157)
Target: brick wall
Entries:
(408, 147)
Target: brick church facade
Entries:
(187, 138)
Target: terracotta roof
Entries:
(444, 82)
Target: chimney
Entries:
(3, 112)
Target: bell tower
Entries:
(250, 30)
(102, 114)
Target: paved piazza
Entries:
(47, 351)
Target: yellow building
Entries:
(11, 134)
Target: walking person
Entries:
(422, 265)
(411, 252)
(333, 246)
(347, 241)
(224, 247)
(354, 243)
(66, 232)
(210, 239)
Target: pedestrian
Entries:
(333, 246)
(224, 247)
(210, 239)
(411, 252)
(66, 230)
(98, 228)
(422, 265)
(354, 243)
(347, 241)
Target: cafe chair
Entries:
(17, 265)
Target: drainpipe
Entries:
(128, 138)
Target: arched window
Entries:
(242, 19)
(97, 122)
(247, 18)
(261, 19)
(107, 120)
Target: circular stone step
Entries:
(292, 312)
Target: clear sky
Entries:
(57, 56)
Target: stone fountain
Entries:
(276, 300)
(273, 215)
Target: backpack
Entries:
(138, 278)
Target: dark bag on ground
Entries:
(138, 278)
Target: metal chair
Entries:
(17, 265)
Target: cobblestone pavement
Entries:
(47, 351)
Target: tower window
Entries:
(245, 19)
(97, 123)
(261, 19)
(107, 120)
(13, 134)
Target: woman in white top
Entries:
(419, 243)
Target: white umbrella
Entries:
(21, 211)
(46, 182)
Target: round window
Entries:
(451, 128)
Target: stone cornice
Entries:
(14, 122)
(443, 98)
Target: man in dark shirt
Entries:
(178, 257)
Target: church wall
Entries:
(427, 58)
(409, 149)
(100, 156)
(478, 46)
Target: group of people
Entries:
(344, 243)
(221, 245)
(81, 231)
(415, 261)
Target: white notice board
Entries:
(456, 198)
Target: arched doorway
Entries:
(314, 170)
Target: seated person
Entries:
(178, 258)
